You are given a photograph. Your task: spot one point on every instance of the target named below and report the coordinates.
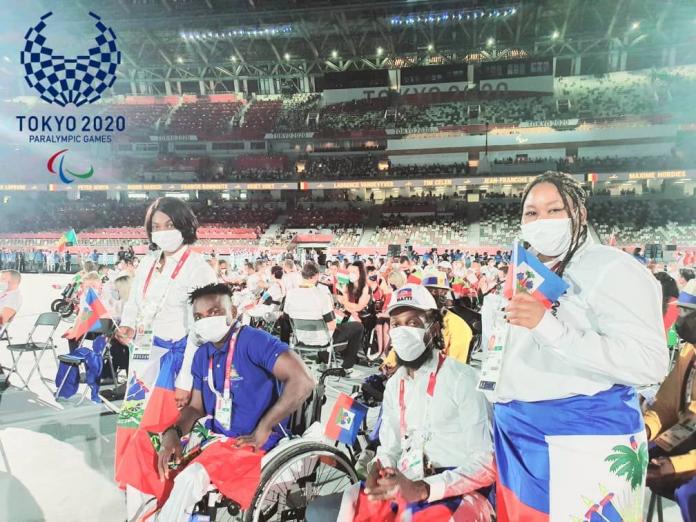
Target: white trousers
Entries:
(189, 487)
(138, 504)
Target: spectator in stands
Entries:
(10, 298)
(158, 312)
(435, 452)
(271, 382)
(602, 339)
(311, 302)
(672, 468)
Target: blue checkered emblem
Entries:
(63, 80)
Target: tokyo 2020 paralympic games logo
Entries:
(62, 171)
(77, 80)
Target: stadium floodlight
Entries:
(555, 35)
(179, 59)
(286, 56)
(334, 54)
(635, 25)
(490, 42)
(380, 51)
(233, 58)
(430, 47)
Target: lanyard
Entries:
(432, 380)
(228, 367)
(689, 384)
(175, 273)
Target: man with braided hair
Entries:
(569, 436)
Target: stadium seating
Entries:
(204, 119)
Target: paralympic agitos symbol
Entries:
(61, 171)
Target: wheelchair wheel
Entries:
(296, 477)
(56, 304)
(66, 309)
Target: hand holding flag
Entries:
(531, 287)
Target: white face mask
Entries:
(212, 329)
(549, 237)
(168, 240)
(408, 342)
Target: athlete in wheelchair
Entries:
(246, 385)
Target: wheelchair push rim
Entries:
(293, 479)
(307, 471)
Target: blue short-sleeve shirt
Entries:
(253, 386)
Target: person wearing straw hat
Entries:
(456, 332)
(670, 421)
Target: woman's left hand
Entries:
(524, 311)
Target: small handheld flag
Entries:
(531, 276)
(345, 420)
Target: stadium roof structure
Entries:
(218, 41)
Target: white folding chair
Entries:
(308, 328)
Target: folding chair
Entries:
(655, 502)
(313, 327)
(49, 320)
(106, 327)
(5, 337)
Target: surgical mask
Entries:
(408, 342)
(212, 329)
(686, 327)
(549, 237)
(168, 240)
(3, 286)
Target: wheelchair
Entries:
(301, 467)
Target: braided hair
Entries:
(574, 197)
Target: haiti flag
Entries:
(89, 316)
(345, 419)
(531, 276)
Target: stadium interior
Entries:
(324, 127)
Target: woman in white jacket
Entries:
(569, 435)
(155, 323)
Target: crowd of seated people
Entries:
(204, 118)
(647, 221)
(421, 230)
(294, 112)
(205, 169)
